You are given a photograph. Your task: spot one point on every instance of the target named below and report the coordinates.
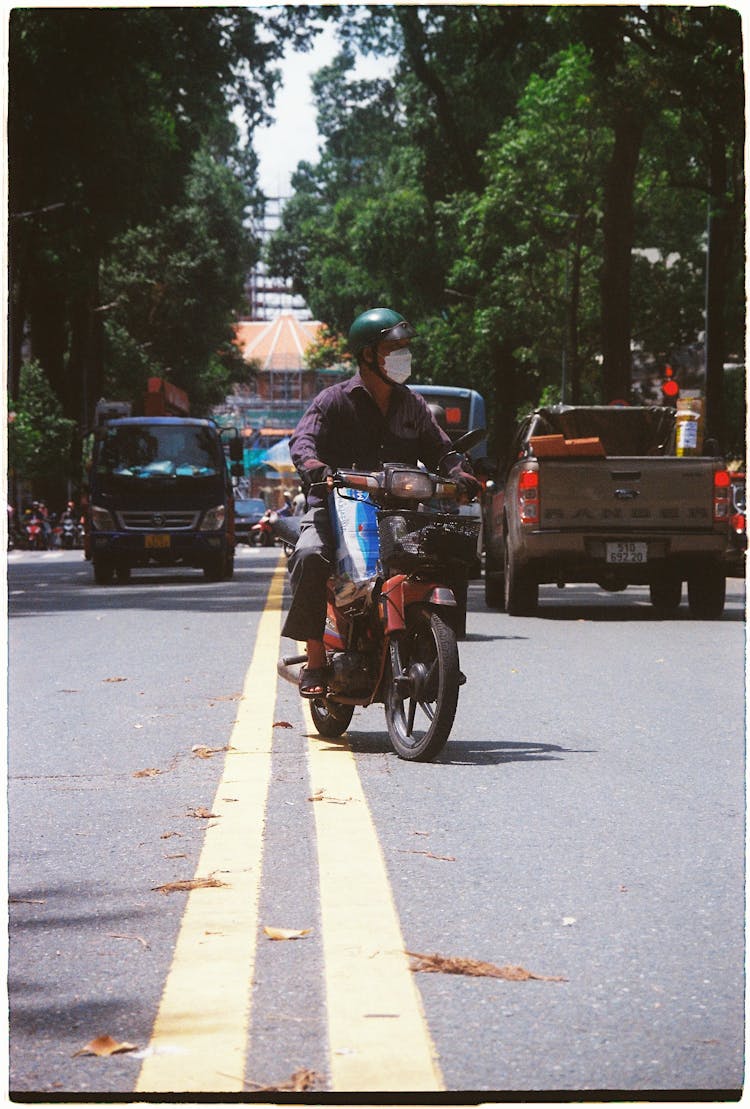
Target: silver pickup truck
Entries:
(596, 494)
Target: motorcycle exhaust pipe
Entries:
(288, 667)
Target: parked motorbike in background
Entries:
(69, 534)
(392, 613)
(36, 533)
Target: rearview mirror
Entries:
(464, 443)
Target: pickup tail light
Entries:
(528, 497)
(722, 495)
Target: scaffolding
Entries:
(268, 294)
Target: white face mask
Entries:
(397, 366)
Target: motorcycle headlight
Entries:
(411, 485)
(101, 519)
(213, 519)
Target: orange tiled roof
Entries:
(277, 344)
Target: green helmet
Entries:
(378, 325)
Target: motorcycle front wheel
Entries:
(422, 692)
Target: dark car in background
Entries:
(247, 513)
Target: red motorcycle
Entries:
(262, 533)
(392, 614)
(36, 534)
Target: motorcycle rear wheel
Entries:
(329, 718)
(420, 706)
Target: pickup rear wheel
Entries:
(521, 591)
(494, 583)
(666, 593)
(707, 589)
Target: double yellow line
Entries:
(377, 1035)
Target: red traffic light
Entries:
(670, 389)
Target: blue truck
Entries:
(159, 492)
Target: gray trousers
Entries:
(309, 568)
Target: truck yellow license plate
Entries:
(157, 542)
(627, 552)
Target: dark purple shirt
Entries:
(345, 429)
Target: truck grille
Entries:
(162, 521)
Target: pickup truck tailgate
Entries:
(626, 494)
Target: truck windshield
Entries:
(155, 451)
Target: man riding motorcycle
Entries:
(361, 423)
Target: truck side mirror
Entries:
(236, 450)
(237, 469)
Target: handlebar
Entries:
(400, 482)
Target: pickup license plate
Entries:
(627, 552)
(159, 542)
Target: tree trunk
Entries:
(574, 303)
(463, 158)
(47, 324)
(84, 378)
(618, 246)
(720, 234)
(505, 401)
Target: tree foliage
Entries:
(119, 131)
(531, 187)
(171, 285)
(40, 438)
(535, 187)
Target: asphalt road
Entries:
(585, 822)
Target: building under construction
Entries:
(273, 340)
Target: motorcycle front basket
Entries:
(418, 540)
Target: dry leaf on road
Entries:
(149, 772)
(300, 1081)
(188, 884)
(202, 813)
(104, 1045)
(114, 679)
(442, 964)
(200, 751)
(282, 724)
(286, 933)
(130, 936)
(428, 855)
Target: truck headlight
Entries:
(101, 519)
(213, 518)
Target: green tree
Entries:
(40, 438)
(172, 286)
(107, 108)
(530, 187)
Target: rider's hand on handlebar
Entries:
(468, 485)
(318, 473)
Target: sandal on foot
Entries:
(313, 682)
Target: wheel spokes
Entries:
(428, 709)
